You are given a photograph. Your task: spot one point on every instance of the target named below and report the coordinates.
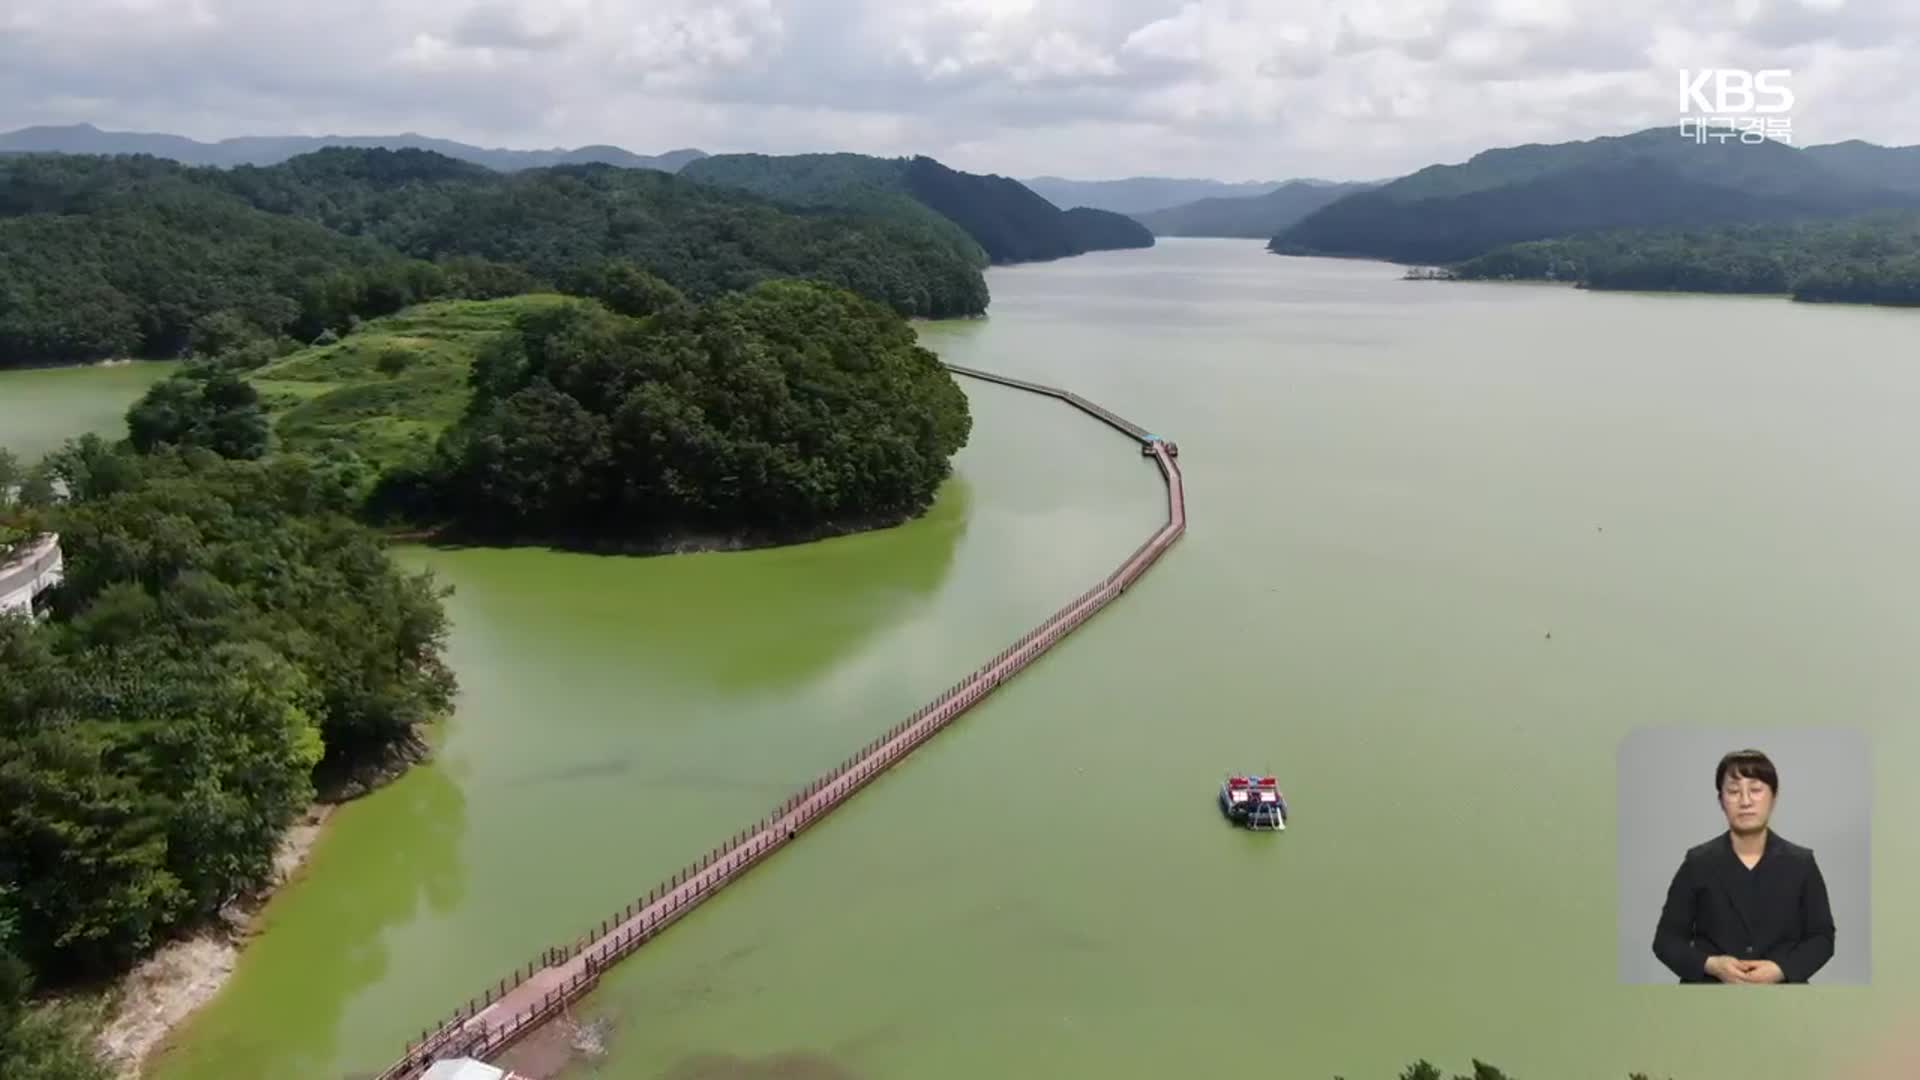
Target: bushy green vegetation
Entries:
(105, 257)
(1871, 259)
(208, 407)
(224, 629)
(381, 396)
(1450, 213)
(790, 409)
(131, 277)
(36, 1043)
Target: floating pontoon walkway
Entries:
(518, 1004)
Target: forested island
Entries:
(133, 256)
(785, 412)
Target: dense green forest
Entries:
(225, 638)
(1870, 259)
(188, 577)
(788, 410)
(854, 183)
(105, 257)
(1449, 213)
(37, 1041)
(1013, 223)
(228, 639)
(1249, 216)
(1102, 230)
(640, 416)
(1002, 217)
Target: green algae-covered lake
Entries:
(41, 408)
(1396, 490)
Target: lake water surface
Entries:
(41, 408)
(1396, 492)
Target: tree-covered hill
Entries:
(629, 419)
(1138, 195)
(1893, 167)
(1104, 230)
(784, 411)
(1869, 259)
(1252, 216)
(561, 222)
(853, 183)
(133, 270)
(1003, 217)
(1447, 213)
(124, 256)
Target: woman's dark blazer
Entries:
(1776, 911)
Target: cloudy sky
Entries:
(1237, 89)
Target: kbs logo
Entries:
(1724, 103)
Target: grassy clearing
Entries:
(385, 392)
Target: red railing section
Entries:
(535, 992)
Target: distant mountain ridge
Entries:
(1648, 179)
(1253, 217)
(1137, 195)
(1007, 221)
(274, 149)
(135, 255)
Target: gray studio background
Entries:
(1667, 805)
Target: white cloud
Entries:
(1237, 88)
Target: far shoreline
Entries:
(73, 365)
(677, 542)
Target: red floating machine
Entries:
(1254, 801)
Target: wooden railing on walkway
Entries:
(538, 990)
